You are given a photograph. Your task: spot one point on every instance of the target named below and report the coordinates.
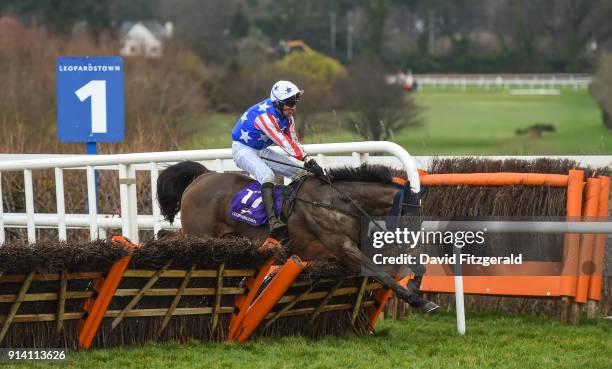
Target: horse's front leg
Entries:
(358, 262)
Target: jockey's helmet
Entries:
(285, 93)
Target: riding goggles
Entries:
(292, 101)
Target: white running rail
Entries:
(503, 81)
(129, 220)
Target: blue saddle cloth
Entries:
(247, 205)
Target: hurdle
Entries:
(142, 296)
(295, 303)
(573, 286)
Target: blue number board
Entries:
(90, 102)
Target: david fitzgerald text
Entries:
(464, 259)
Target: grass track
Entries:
(474, 122)
(493, 341)
(480, 122)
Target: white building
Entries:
(144, 39)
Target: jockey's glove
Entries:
(312, 165)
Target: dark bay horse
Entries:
(333, 231)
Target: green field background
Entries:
(473, 122)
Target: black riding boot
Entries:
(277, 228)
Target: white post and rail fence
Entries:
(541, 82)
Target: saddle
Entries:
(247, 206)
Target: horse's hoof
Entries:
(430, 307)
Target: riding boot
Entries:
(277, 228)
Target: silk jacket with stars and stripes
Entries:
(262, 125)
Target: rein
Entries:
(397, 181)
(326, 206)
(355, 204)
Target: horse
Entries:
(324, 223)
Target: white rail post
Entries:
(133, 204)
(29, 202)
(2, 239)
(60, 205)
(127, 190)
(154, 204)
(219, 164)
(459, 295)
(92, 203)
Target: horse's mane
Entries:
(364, 173)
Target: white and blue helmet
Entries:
(284, 90)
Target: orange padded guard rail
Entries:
(242, 303)
(382, 297)
(96, 306)
(491, 179)
(599, 248)
(495, 179)
(571, 244)
(587, 241)
(268, 298)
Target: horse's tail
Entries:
(171, 184)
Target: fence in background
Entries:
(537, 83)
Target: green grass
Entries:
(475, 122)
(484, 123)
(492, 341)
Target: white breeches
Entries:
(251, 160)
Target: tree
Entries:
(239, 26)
(601, 89)
(203, 24)
(376, 110)
(574, 25)
(311, 66)
(377, 14)
(62, 15)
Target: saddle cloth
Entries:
(247, 205)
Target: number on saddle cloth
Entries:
(247, 205)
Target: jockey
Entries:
(271, 121)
